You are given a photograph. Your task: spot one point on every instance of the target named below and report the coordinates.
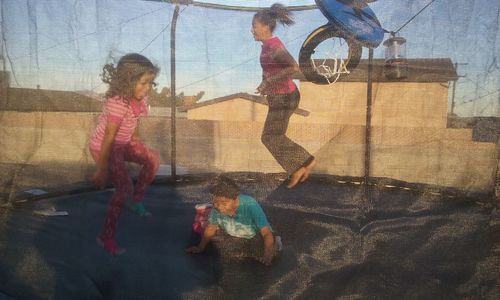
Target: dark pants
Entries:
(287, 153)
(230, 247)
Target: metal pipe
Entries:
(453, 92)
(232, 7)
(368, 117)
(173, 152)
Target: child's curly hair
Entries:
(123, 78)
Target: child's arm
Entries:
(101, 174)
(291, 67)
(135, 135)
(209, 232)
(268, 245)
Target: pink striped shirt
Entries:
(117, 111)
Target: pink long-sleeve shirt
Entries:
(271, 67)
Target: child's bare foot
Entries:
(309, 168)
(301, 174)
(296, 176)
(110, 246)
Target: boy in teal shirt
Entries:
(243, 222)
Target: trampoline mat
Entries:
(337, 244)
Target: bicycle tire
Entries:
(315, 38)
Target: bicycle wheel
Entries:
(327, 70)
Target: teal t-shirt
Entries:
(246, 223)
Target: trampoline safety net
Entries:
(396, 102)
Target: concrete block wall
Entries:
(33, 137)
(444, 157)
(497, 183)
(44, 149)
(439, 156)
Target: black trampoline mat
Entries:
(337, 244)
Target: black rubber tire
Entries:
(316, 37)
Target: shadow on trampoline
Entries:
(337, 243)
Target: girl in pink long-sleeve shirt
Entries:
(283, 97)
(114, 141)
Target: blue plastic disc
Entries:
(357, 21)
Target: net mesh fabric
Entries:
(440, 132)
(434, 138)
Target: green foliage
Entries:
(200, 95)
(162, 98)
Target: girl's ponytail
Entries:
(281, 14)
(276, 13)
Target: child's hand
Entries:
(194, 250)
(267, 258)
(135, 138)
(100, 178)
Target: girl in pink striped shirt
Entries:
(115, 140)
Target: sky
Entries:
(63, 44)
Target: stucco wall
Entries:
(231, 110)
(405, 104)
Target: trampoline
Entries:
(337, 243)
(402, 204)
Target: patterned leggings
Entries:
(120, 154)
